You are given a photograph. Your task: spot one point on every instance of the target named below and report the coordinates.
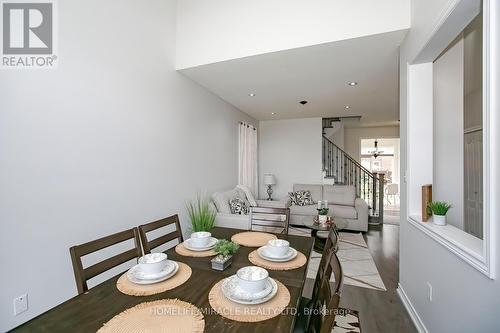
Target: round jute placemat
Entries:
(167, 315)
(252, 238)
(181, 249)
(297, 262)
(129, 288)
(248, 313)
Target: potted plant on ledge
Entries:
(439, 210)
(225, 250)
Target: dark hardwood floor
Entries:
(379, 311)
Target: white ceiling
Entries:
(318, 74)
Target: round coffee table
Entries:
(338, 223)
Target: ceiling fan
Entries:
(376, 153)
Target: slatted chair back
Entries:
(331, 246)
(82, 275)
(326, 305)
(148, 245)
(267, 217)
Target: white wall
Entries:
(473, 84)
(464, 300)
(113, 138)
(336, 134)
(353, 136)
(448, 134)
(417, 139)
(218, 30)
(291, 150)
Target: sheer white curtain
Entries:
(247, 162)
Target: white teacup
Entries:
(153, 262)
(278, 247)
(252, 278)
(200, 238)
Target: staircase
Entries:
(341, 167)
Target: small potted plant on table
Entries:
(322, 211)
(439, 210)
(322, 215)
(225, 250)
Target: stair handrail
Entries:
(351, 159)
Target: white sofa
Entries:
(342, 202)
(224, 218)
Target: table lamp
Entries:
(269, 180)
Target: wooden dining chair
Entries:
(270, 217)
(82, 275)
(148, 245)
(323, 273)
(326, 304)
(331, 246)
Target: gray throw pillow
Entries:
(238, 206)
(300, 198)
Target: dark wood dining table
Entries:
(88, 312)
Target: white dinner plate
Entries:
(135, 275)
(264, 254)
(232, 289)
(189, 245)
(234, 293)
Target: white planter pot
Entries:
(439, 219)
(322, 219)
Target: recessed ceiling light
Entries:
(347, 106)
(251, 95)
(352, 83)
(303, 102)
(273, 113)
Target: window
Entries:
(458, 130)
(449, 133)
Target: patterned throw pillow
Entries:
(238, 206)
(300, 198)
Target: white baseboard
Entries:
(411, 310)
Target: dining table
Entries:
(88, 312)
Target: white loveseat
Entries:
(342, 202)
(224, 218)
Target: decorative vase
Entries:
(220, 264)
(322, 219)
(439, 219)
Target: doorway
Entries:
(382, 155)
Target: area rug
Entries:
(347, 321)
(391, 217)
(357, 263)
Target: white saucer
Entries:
(233, 292)
(188, 245)
(263, 253)
(135, 274)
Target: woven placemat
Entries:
(248, 313)
(297, 262)
(252, 238)
(181, 249)
(129, 288)
(167, 315)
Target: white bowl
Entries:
(200, 238)
(252, 278)
(153, 263)
(278, 247)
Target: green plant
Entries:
(323, 211)
(225, 248)
(439, 207)
(201, 216)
